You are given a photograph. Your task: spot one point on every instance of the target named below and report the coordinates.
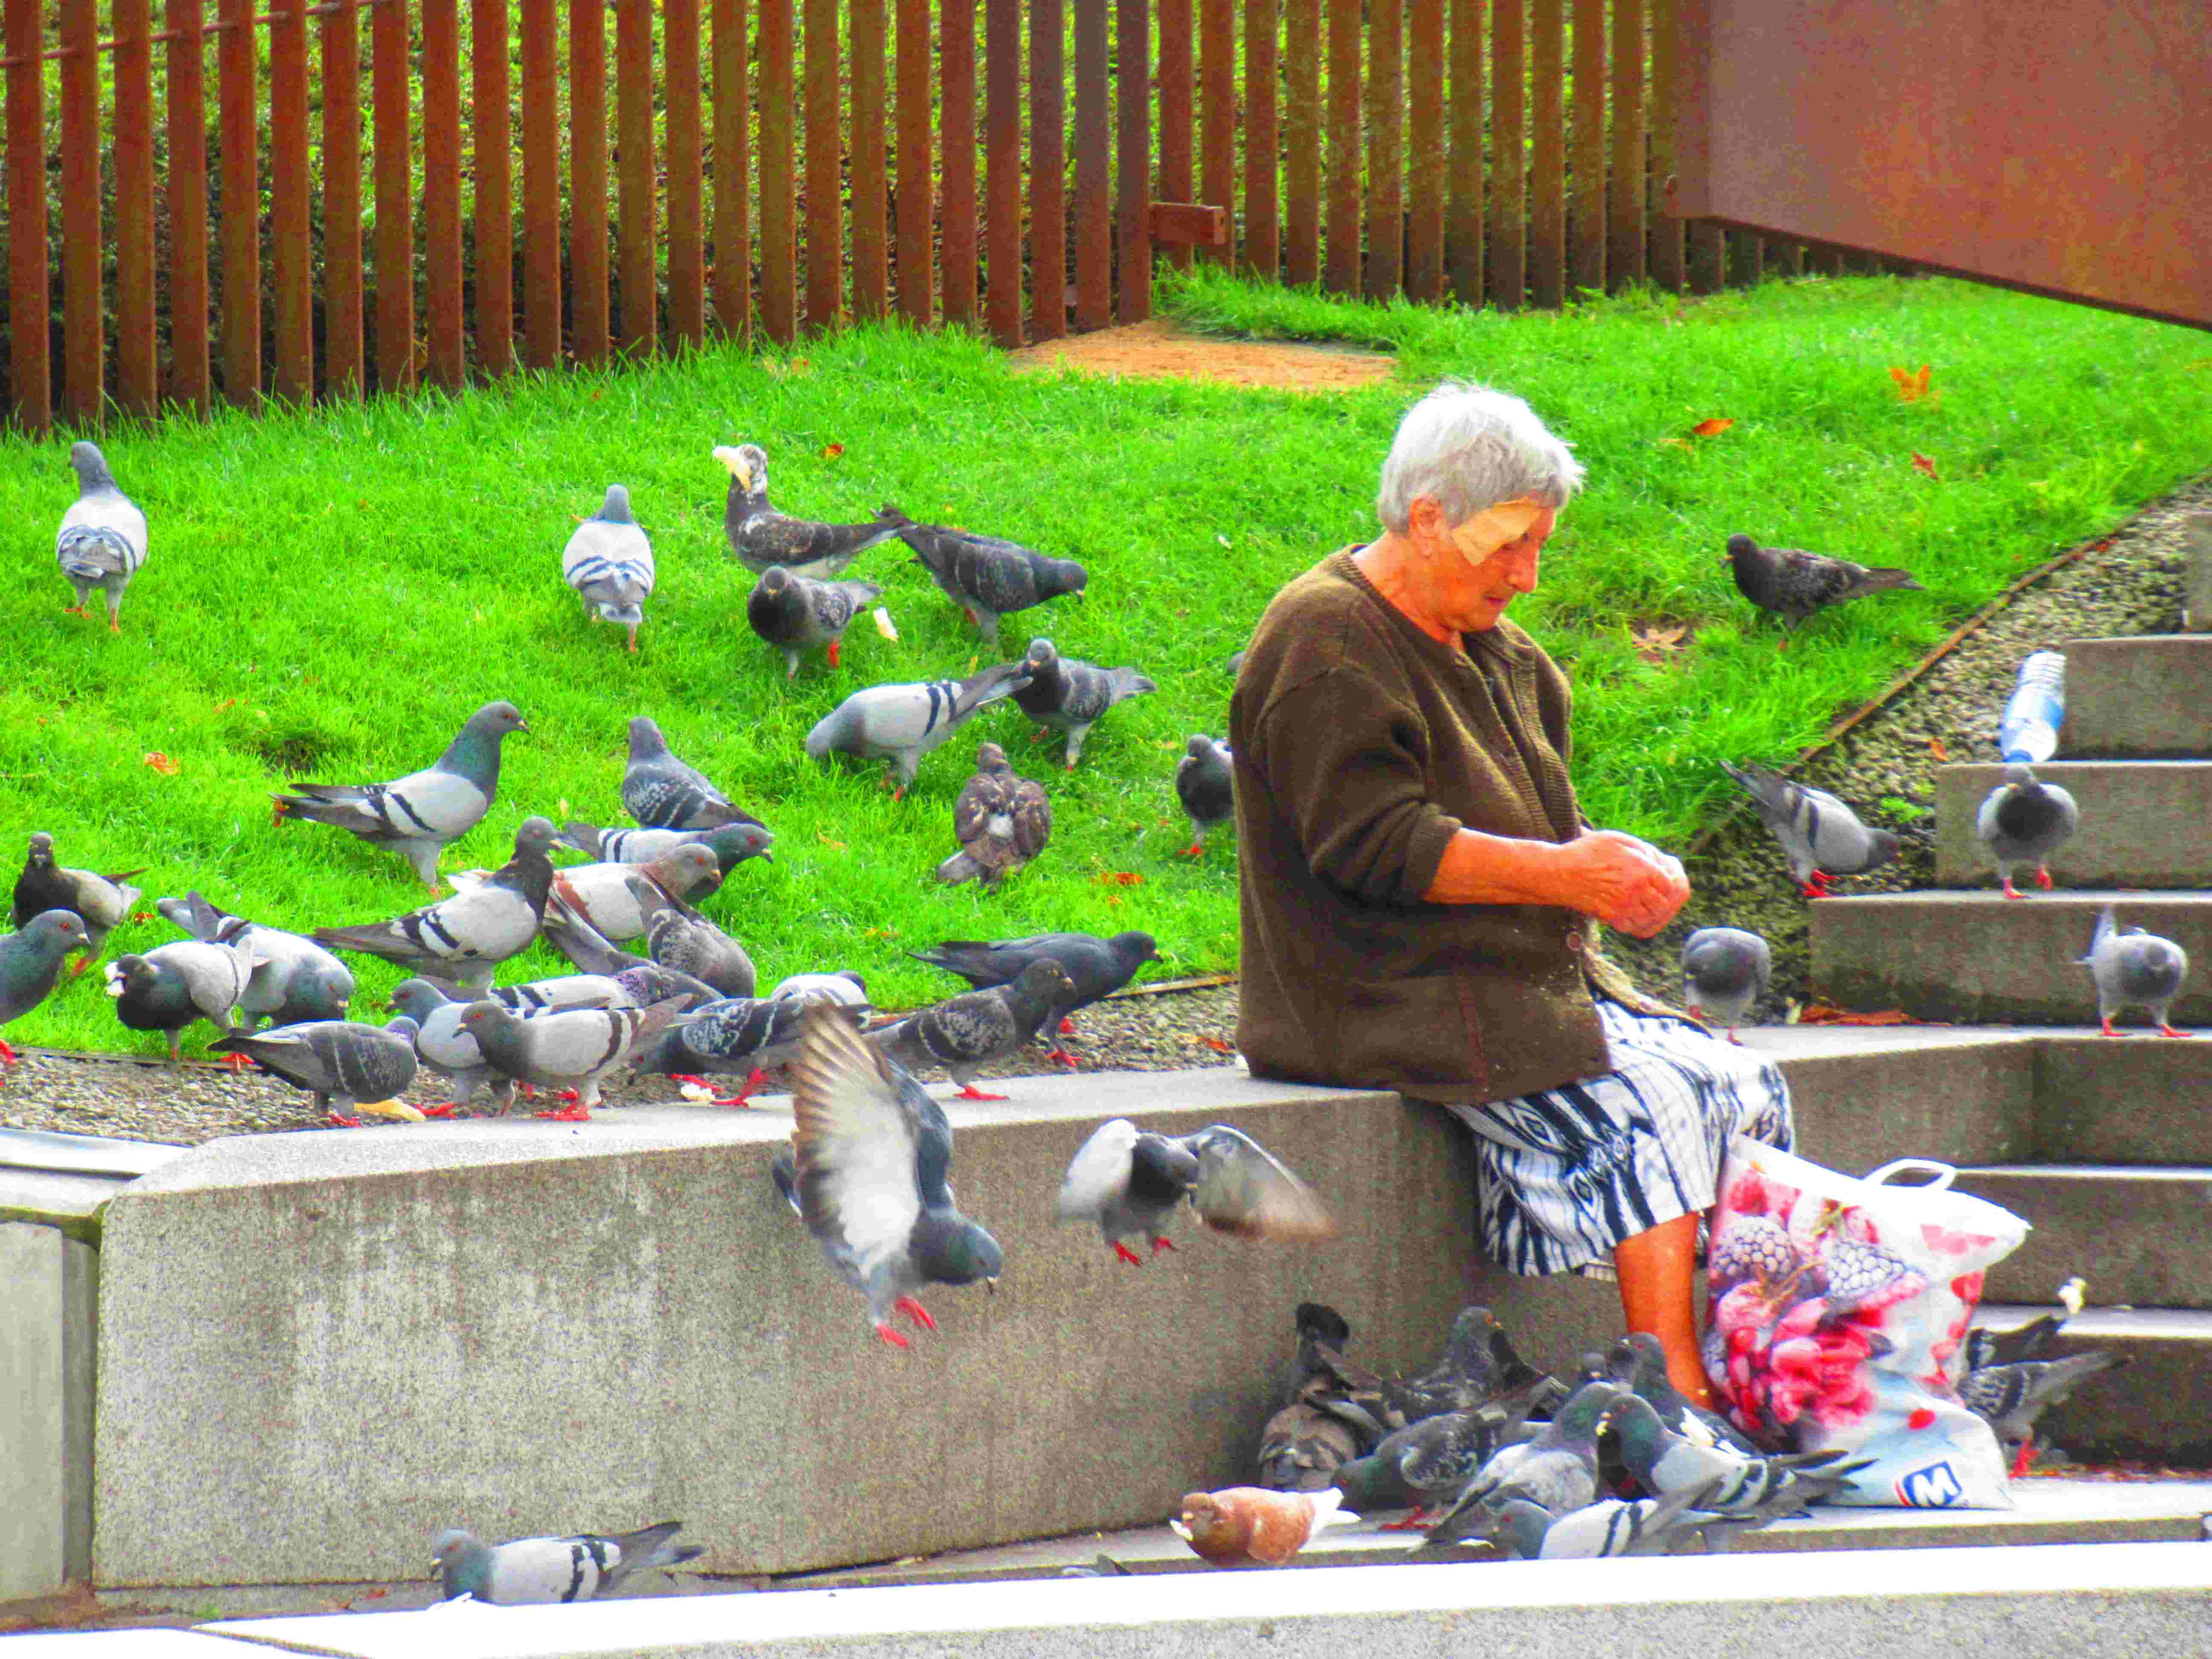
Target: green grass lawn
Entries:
(336, 590)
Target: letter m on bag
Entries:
(1934, 1487)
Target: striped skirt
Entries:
(1567, 1173)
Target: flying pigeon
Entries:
(661, 793)
(795, 613)
(1205, 782)
(30, 962)
(985, 576)
(1985, 1348)
(295, 979)
(609, 561)
(340, 1061)
(102, 540)
(2010, 1398)
(843, 986)
(466, 936)
(1098, 967)
(601, 895)
(966, 1033)
(1665, 1463)
(1251, 1527)
(736, 1034)
(1637, 1362)
(761, 537)
(733, 843)
(1822, 836)
(1000, 821)
(902, 722)
(569, 1049)
(2134, 968)
(1428, 1461)
(532, 1570)
(1555, 1468)
(1126, 1180)
(416, 816)
(100, 902)
(678, 937)
(1794, 585)
(1072, 695)
(870, 1159)
(173, 985)
(1526, 1531)
(2024, 822)
(1724, 972)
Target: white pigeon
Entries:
(609, 563)
(102, 540)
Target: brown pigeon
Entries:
(1249, 1527)
(1001, 821)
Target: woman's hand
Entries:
(1624, 883)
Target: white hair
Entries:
(1467, 449)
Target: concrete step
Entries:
(2197, 573)
(2099, 1100)
(2144, 823)
(1978, 956)
(2158, 1410)
(2141, 698)
(2133, 1232)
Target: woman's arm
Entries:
(1623, 882)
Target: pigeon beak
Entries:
(1725, 559)
(523, 725)
(990, 1287)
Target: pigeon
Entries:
(661, 793)
(1072, 695)
(735, 1034)
(1435, 1458)
(1205, 782)
(532, 1570)
(1637, 1362)
(678, 937)
(1555, 1468)
(173, 985)
(1098, 967)
(1526, 1531)
(1822, 836)
(416, 816)
(2134, 968)
(966, 1033)
(1665, 1462)
(733, 843)
(102, 540)
(601, 895)
(987, 577)
(446, 1049)
(30, 962)
(2024, 822)
(902, 722)
(1303, 1444)
(1985, 1348)
(844, 986)
(2009, 1398)
(1724, 972)
(1125, 1181)
(609, 561)
(341, 1062)
(1251, 1527)
(1794, 585)
(1467, 1374)
(1000, 821)
(475, 930)
(100, 902)
(794, 613)
(538, 996)
(762, 537)
(295, 979)
(569, 1049)
(871, 1155)
(645, 981)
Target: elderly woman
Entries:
(1419, 887)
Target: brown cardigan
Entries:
(1362, 746)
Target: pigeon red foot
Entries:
(1159, 1244)
(751, 1083)
(969, 1091)
(1061, 1057)
(446, 1111)
(1066, 1025)
(2011, 891)
(7, 1056)
(1411, 1521)
(2167, 1030)
(913, 1310)
(1818, 886)
(574, 1112)
(2027, 1456)
(340, 1121)
(2042, 879)
(237, 1063)
(892, 1337)
(1128, 1254)
(834, 644)
(1195, 850)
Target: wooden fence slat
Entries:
(916, 146)
(1217, 117)
(733, 234)
(1094, 204)
(1386, 144)
(1463, 218)
(1132, 300)
(136, 382)
(1669, 267)
(1341, 272)
(1048, 170)
(191, 381)
(1747, 259)
(391, 88)
(825, 183)
(1263, 140)
(1002, 169)
(682, 86)
(442, 251)
(344, 369)
(957, 232)
(1508, 106)
(1178, 182)
(84, 341)
(30, 365)
(1425, 215)
(541, 183)
(1708, 258)
(292, 270)
(491, 153)
(635, 238)
(778, 171)
(872, 271)
(241, 199)
(588, 297)
(1302, 142)
(1624, 250)
(1825, 259)
(1547, 153)
(1586, 159)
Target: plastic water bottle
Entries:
(2029, 733)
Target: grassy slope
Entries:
(343, 587)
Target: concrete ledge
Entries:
(1865, 1094)
(2143, 823)
(2158, 1410)
(2136, 1231)
(2109, 1100)
(46, 1409)
(2197, 573)
(132, 1645)
(2138, 699)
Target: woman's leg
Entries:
(1654, 1268)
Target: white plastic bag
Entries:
(1833, 1309)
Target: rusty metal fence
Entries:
(515, 183)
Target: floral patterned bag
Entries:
(1834, 1307)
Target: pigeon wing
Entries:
(858, 1137)
(1244, 1191)
(1099, 1173)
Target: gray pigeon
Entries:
(1822, 836)
(1794, 585)
(442, 1045)
(733, 843)
(468, 935)
(1984, 1347)
(100, 902)
(1434, 1458)
(1724, 972)
(569, 1049)
(1098, 967)
(295, 979)
(902, 722)
(677, 936)
(1001, 821)
(1206, 784)
(1126, 1181)
(1732, 1483)
(737, 1034)
(102, 540)
(1638, 1362)
(601, 895)
(537, 996)
(761, 537)
(1072, 695)
(985, 576)
(966, 1033)
(2010, 1398)
(1526, 1531)
(609, 561)
(2024, 822)
(842, 986)
(1556, 1468)
(30, 962)
(869, 1174)
(534, 1570)
(173, 985)
(341, 1062)
(795, 613)
(416, 816)
(645, 980)
(661, 793)
(2134, 969)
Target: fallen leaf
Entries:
(1219, 1046)
(161, 764)
(1712, 428)
(1910, 387)
(227, 703)
(1654, 644)
(1827, 1013)
(827, 841)
(141, 915)
(1935, 748)
(831, 451)
(1678, 443)
(1120, 878)
(1923, 463)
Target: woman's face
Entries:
(1473, 588)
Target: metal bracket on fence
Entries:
(1187, 223)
